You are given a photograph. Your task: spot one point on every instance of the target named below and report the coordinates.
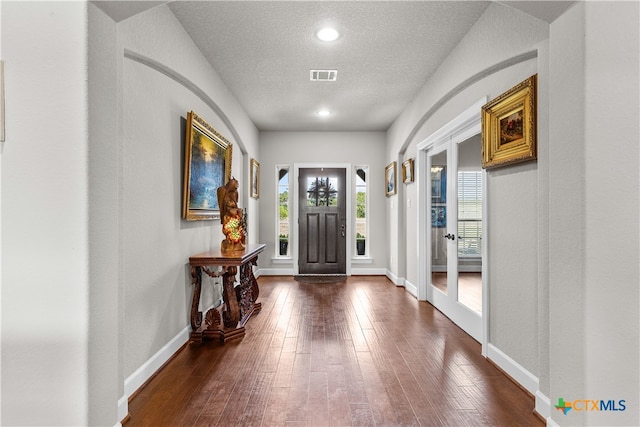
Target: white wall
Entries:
(594, 204)
(105, 292)
(163, 77)
(487, 63)
(45, 202)
(95, 278)
(356, 148)
(566, 226)
(572, 325)
(612, 113)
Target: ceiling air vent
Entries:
(323, 75)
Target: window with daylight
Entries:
(469, 213)
(282, 216)
(322, 191)
(361, 211)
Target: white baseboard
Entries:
(525, 378)
(150, 367)
(398, 281)
(552, 423)
(368, 271)
(123, 409)
(543, 406)
(411, 288)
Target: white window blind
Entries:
(469, 213)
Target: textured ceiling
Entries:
(386, 52)
(263, 51)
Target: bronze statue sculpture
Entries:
(231, 217)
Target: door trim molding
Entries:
(296, 229)
(464, 126)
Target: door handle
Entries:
(342, 233)
(449, 236)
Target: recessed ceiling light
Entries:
(328, 34)
(324, 113)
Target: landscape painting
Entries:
(511, 127)
(207, 167)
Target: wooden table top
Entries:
(217, 257)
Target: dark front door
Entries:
(322, 225)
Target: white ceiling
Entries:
(263, 51)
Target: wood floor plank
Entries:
(338, 396)
(318, 403)
(253, 413)
(358, 353)
(297, 408)
(377, 394)
(278, 399)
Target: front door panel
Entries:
(322, 215)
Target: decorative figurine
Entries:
(231, 217)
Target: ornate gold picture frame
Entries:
(255, 179)
(390, 179)
(407, 171)
(207, 166)
(509, 126)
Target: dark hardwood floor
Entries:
(362, 352)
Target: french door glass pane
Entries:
(469, 238)
(438, 178)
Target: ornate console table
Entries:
(226, 322)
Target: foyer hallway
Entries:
(361, 352)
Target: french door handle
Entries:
(449, 236)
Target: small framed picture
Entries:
(255, 179)
(509, 126)
(407, 171)
(390, 179)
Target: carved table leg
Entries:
(231, 315)
(196, 314)
(254, 286)
(247, 292)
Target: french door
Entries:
(455, 198)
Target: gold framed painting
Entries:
(390, 179)
(207, 166)
(255, 179)
(509, 126)
(407, 171)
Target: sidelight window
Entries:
(361, 211)
(283, 219)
